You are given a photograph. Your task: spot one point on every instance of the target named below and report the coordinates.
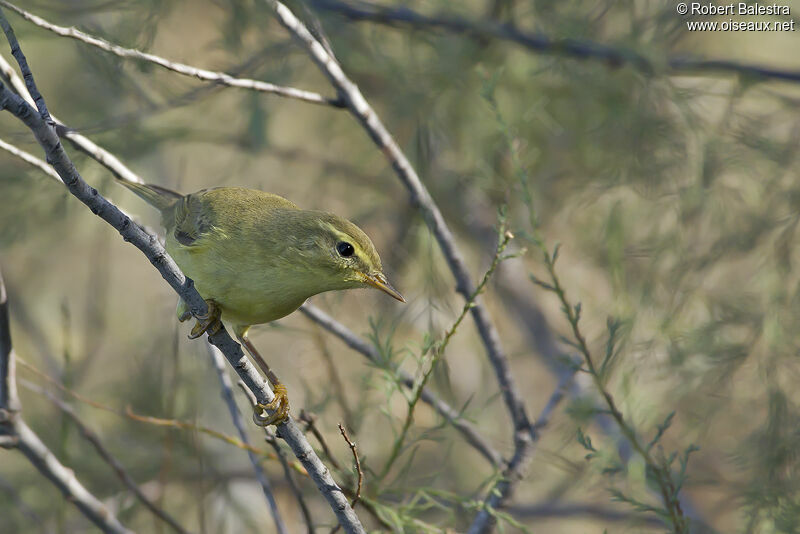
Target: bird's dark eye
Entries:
(345, 249)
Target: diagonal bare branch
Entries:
(450, 414)
(218, 363)
(14, 433)
(64, 479)
(92, 437)
(402, 16)
(174, 66)
(501, 491)
(82, 143)
(366, 116)
(31, 160)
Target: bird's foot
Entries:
(209, 323)
(279, 406)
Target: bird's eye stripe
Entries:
(345, 249)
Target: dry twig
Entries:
(180, 68)
(359, 472)
(357, 465)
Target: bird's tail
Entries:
(155, 195)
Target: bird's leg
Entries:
(280, 404)
(209, 323)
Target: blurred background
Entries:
(674, 196)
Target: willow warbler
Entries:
(256, 257)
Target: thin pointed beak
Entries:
(379, 281)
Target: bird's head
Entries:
(344, 255)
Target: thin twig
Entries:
(31, 160)
(65, 480)
(36, 98)
(539, 42)
(174, 66)
(310, 420)
(218, 363)
(502, 488)
(155, 421)
(46, 135)
(269, 437)
(658, 470)
(103, 452)
(15, 433)
(357, 465)
(451, 415)
(23, 509)
(366, 116)
(439, 347)
(360, 473)
(9, 398)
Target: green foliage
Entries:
(660, 210)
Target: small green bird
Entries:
(256, 257)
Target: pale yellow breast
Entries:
(249, 288)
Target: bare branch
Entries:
(366, 116)
(31, 160)
(27, 75)
(561, 510)
(450, 414)
(359, 472)
(218, 363)
(269, 437)
(438, 348)
(539, 42)
(64, 479)
(309, 420)
(9, 399)
(180, 68)
(115, 464)
(46, 135)
(80, 142)
(15, 433)
(501, 491)
(357, 463)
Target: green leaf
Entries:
(586, 441)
